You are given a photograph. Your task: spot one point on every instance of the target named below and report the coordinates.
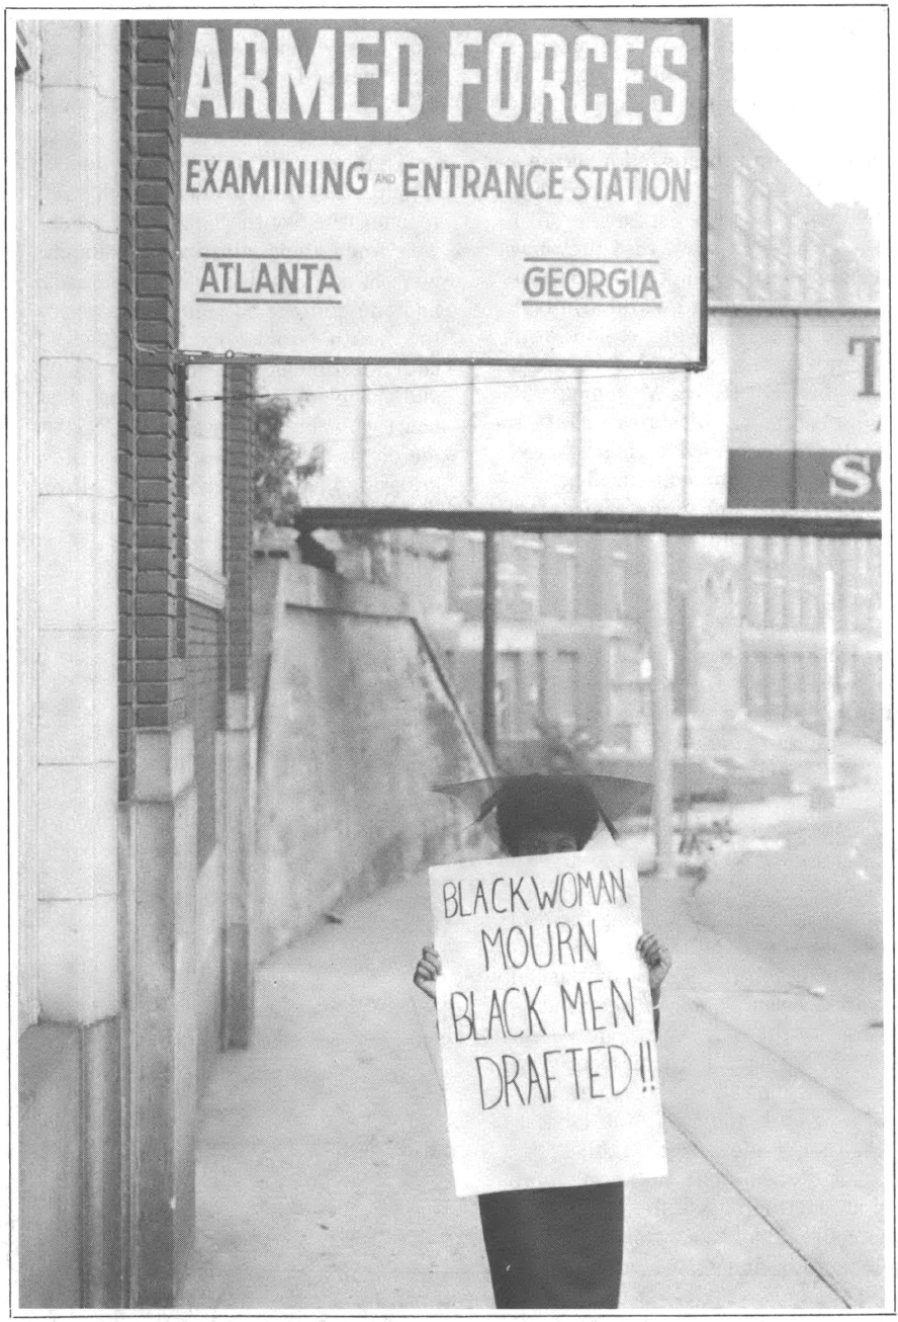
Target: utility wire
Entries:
(749, 387)
(427, 385)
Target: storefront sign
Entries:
(805, 411)
(393, 190)
(550, 1062)
(805, 480)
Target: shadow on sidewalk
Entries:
(323, 1175)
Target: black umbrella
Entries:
(611, 797)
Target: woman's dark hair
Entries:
(548, 803)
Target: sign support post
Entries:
(489, 641)
(829, 628)
(662, 732)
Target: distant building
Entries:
(783, 631)
(704, 615)
(745, 613)
(773, 242)
(571, 637)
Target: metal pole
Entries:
(684, 662)
(489, 641)
(829, 633)
(662, 718)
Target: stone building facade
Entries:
(135, 723)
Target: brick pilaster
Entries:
(156, 745)
(152, 444)
(239, 738)
(239, 389)
(160, 469)
(127, 409)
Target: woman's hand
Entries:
(657, 961)
(427, 970)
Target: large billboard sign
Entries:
(805, 411)
(785, 418)
(434, 190)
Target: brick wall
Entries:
(156, 745)
(152, 449)
(127, 411)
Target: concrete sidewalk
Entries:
(323, 1178)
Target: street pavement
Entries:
(323, 1174)
(808, 899)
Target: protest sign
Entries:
(546, 1030)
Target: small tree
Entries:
(279, 471)
(564, 749)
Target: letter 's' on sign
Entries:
(486, 146)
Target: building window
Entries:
(567, 582)
(619, 585)
(813, 688)
(436, 589)
(779, 277)
(508, 694)
(623, 706)
(776, 676)
(469, 573)
(757, 599)
(779, 227)
(806, 617)
(567, 705)
(795, 685)
(828, 283)
(760, 213)
(528, 558)
(814, 271)
(741, 191)
(624, 661)
(742, 249)
(778, 603)
(797, 242)
(754, 685)
(541, 695)
(793, 590)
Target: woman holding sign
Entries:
(555, 1248)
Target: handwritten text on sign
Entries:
(546, 1029)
